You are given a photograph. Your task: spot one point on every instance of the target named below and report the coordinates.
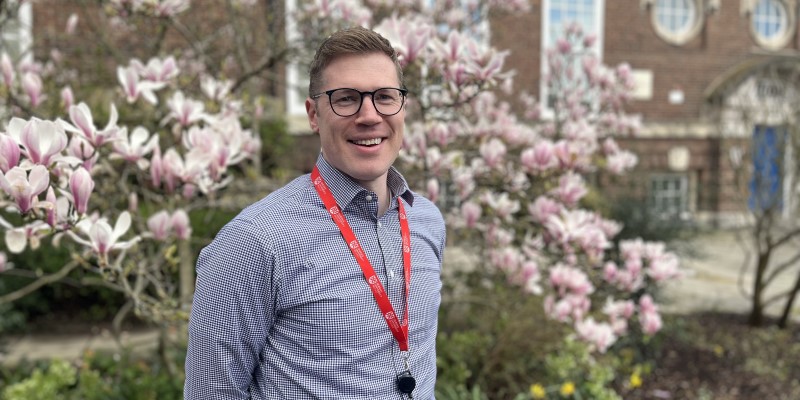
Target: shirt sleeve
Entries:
(232, 311)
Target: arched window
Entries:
(677, 21)
(771, 23)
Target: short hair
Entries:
(349, 41)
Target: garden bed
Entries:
(719, 357)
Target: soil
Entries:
(718, 356)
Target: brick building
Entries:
(713, 80)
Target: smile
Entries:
(368, 142)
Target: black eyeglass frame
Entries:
(403, 93)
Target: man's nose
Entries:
(368, 110)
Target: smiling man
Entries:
(329, 287)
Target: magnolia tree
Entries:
(118, 195)
(516, 182)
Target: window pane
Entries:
(770, 20)
(676, 17)
(669, 195)
(564, 12)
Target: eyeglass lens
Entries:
(347, 102)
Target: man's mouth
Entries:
(367, 142)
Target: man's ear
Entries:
(311, 111)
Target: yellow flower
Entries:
(567, 389)
(636, 380)
(537, 391)
(719, 350)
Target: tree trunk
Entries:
(757, 312)
(787, 311)
(186, 274)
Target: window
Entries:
(772, 23)
(676, 21)
(668, 197)
(557, 15)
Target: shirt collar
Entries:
(345, 189)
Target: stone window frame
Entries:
(701, 9)
(778, 41)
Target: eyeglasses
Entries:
(346, 102)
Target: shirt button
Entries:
(369, 197)
(380, 224)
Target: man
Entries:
(295, 302)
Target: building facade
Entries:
(713, 78)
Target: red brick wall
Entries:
(630, 37)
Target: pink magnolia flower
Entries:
(81, 150)
(9, 153)
(600, 335)
(133, 87)
(156, 167)
(134, 148)
(434, 159)
(471, 212)
(25, 188)
(7, 68)
(621, 161)
(410, 36)
(571, 188)
(171, 8)
(530, 276)
(538, 158)
(67, 97)
(566, 279)
(83, 124)
(502, 205)
(157, 70)
(81, 186)
(570, 307)
(4, 264)
(649, 317)
(32, 84)
(159, 225)
(433, 189)
(72, 23)
(493, 152)
(192, 168)
(52, 213)
(543, 208)
(664, 267)
(185, 111)
(18, 238)
(619, 313)
(101, 238)
(180, 224)
(215, 89)
(42, 140)
(133, 202)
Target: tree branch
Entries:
(35, 285)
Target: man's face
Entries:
(366, 144)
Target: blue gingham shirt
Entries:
(281, 309)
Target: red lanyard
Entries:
(399, 328)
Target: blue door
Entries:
(766, 183)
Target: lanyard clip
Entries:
(404, 356)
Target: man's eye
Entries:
(344, 99)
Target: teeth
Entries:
(368, 142)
